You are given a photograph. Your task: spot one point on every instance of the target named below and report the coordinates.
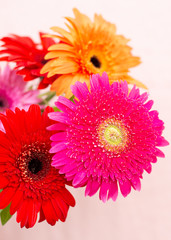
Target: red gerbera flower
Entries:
(28, 180)
(28, 56)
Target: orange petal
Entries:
(61, 66)
(61, 84)
(81, 18)
(131, 80)
(126, 77)
(61, 46)
(56, 54)
(56, 36)
(64, 33)
(46, 67)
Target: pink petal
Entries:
(66, 102)
(125, 187)
(148, 168)
(60, 162)
(161, 141)
(149, 104)
(104, 80)
(124, 86)
(67, 168)
(78, 178)
(57, 127)
(132, 92)
(113, 191)
(159, 153)
(136, 183)
(92, 187)
(94, 82)
(103, 191)
(60, 154)
(80, 90)
(58, 147)
(60, 136)
(143, 97)
(59, 117)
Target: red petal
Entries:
(49, 212)
(3, 181)
(58, 211)
(46, 42)
(42, 85)
(6, 196)
(67, 197)
(22, 215)
(63, 206)
(16, 201)
(24, 42)
(32, 209)
(33, 113)
(17, 49)
(42, 216)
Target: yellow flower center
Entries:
(113, 135)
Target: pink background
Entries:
(144, 215)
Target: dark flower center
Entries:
(5, 101)
(95, 61)
(1, 104)
(34, 161)
(35, 165)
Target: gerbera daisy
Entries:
(13, 92)
(29, 182)
(28, 56)
(107, 138)
(88, 48)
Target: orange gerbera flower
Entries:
(88, 48)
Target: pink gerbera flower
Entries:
(107, 138)
(13, 91)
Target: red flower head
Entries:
(28, 56)
(28, 180)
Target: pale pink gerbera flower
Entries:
(13, 92)
(106, 138)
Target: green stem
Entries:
(49, 94)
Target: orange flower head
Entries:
(88, 48)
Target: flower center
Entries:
(95, 61)
(5, 100)
(112, 135)
(1, 104)
(35, 165)
(34, 161)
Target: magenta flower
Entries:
(13, 92)
(107, 138)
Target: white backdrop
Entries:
(144, 215)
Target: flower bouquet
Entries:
(100, 134)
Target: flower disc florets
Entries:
(107, 137)
(112, 135)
